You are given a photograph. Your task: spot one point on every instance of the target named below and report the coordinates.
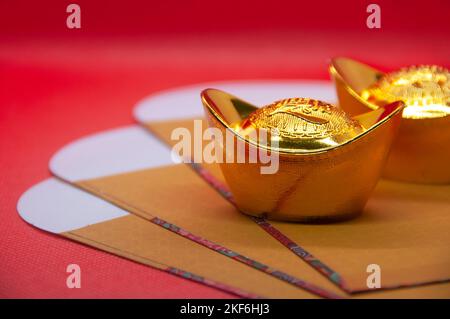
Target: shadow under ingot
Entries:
(421, 151)
(328, 163)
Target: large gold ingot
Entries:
(329, 163)
(421, 151)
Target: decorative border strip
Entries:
(211, 283)
(318, 265)
(247, 261)
(212, 181)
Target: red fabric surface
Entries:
(59, 85)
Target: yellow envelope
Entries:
(404, 230)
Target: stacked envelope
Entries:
(121, 191)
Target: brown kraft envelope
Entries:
(154, 246)
(404, 230)
(179, 196)
(134, 238)
(84, 218)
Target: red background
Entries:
(57, 85)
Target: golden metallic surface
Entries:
(303, 124)
(316, 181)
(424, 89)
(420, 153)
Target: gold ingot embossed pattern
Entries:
(304, 124)
(329, 163)
(421, 152)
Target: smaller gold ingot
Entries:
(424, 89)
(420, 153)
(329, 163)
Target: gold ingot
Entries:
(421, 151)
(328, 162)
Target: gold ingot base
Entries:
(315, 220)
(315, 186)
(421, 151)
